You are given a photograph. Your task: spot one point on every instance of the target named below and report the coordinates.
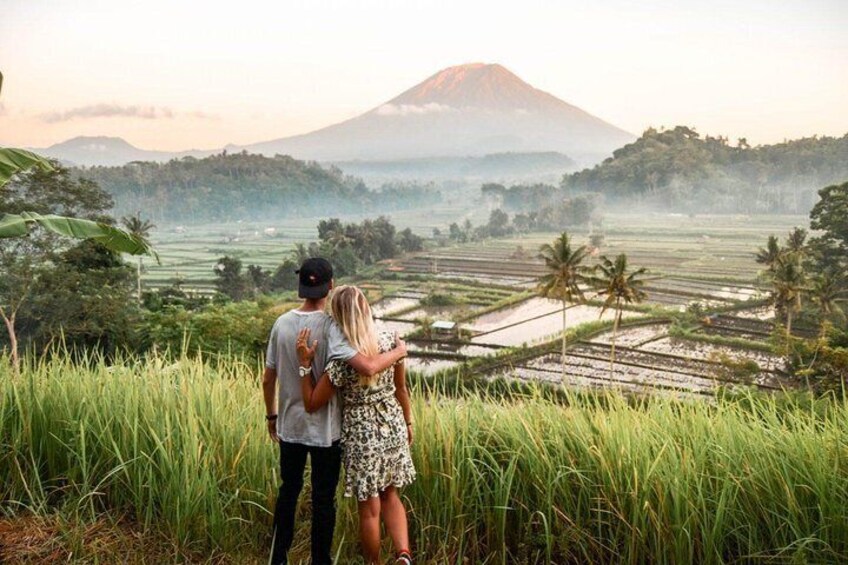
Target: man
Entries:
(299, 433)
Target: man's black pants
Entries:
(326, 464)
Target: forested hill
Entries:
(677, 168)
(245, 186)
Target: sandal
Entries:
(403, 557)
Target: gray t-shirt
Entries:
(294, 424)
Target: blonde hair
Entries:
(351, 311)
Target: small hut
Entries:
(443, 327)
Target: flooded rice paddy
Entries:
(537, 327)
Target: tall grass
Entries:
(180, 447)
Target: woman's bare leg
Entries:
(394, 516)
(369, 529)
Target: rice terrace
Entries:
(583, 303)
(704, 261)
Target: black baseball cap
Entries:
(315, 276)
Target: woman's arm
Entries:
(402, 395)
(317, 396)
(368, 366)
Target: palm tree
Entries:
(620, 286)
(562, 281)
(788, 280)
(795, 242)
(139, 229)
(828, 291)
(768, 256)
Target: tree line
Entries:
(230, 187)
(557, 213)
(809, 289)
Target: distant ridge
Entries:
(109, 151)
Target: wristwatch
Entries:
(304, 371)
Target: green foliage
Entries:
(83, 300)
(822, 364)
(230, 281)
(507, 477)
(174, 295)
(56, 192)
(16, 161)
(681, 331)
(564, 274)
(618, 284)
(409, 242)
(51, 292)
(17, 225)
(830, 216)
(285, 277)
(498, 225)
(241, 328)
(565, 270)
(678, 169)
(346, 245)
(258, 280)
(440, 299)
(737, 369)
(541, 207)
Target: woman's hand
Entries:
(400, 345)
(305, 354)
(409, 433)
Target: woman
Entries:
(376, 424)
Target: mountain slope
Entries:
(468, 110)
(108, 151)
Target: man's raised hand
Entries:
(305, 354)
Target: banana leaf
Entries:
(116, 239)
(14, 161)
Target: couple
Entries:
(342, 395)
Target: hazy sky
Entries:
(168, 74)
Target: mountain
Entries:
(467, 110)
(108, 151)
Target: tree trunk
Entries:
(788, 329)
(564, 338)
(13, 342)
(138, 281)
(614, 333)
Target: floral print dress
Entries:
(374, 438)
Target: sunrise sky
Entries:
(173, 75)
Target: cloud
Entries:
(412, 109)
(108, 111)
(201, 115)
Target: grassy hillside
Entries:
(177, 451)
